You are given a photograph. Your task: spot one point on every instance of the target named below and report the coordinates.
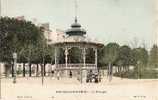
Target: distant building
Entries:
(51, 34)
(47, 32)
(20, 17)
(60, 34)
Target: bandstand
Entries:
(76, 37)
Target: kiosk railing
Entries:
(75, 66)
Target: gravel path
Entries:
(71, 89)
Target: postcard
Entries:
(78, 50)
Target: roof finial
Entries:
(76, 6)
(75, 19)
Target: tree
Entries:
(124, 58)
(141, 55)
(111, 53)
(153, 59)
(21, 35)
(101, 62)
(139, 60)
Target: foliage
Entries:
(28, 41)
(153, 59)
(110, 53)
(24, 38)
(75, 55)
(133, 74)
(125, 55)
(90, 56)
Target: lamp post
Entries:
(138, 69)
(14, 67)
(0, 65)
(0, 83)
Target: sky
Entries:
(119, 21)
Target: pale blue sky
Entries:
(107, 20)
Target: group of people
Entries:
(90, 78)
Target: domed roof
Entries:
(75, 24)
(76, 29)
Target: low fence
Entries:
(75, 66)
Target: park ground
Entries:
(31, 88)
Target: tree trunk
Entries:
(127, 68)
(30, 71)
(44, 69)
(118, 69)
(124, 68)
(41, 70)
(122, 71)
(37, 70)
(110, 71)
(23, 69)
(12, 65)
